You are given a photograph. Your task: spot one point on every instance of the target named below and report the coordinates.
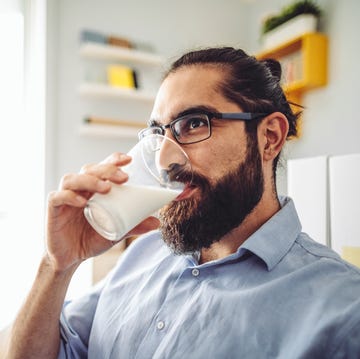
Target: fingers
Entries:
(109, 168)
(76, 188)
(95, 177)
(70, 198)
(117, 159)
(84, 182)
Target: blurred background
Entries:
(68, 97)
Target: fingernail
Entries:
(102, 185)
(121, 174)
(124, 157)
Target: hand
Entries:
(70, 238)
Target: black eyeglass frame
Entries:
(236, 116)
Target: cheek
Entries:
(214, 163)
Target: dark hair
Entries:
(253, 84)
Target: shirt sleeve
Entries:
(349, 346)
(76, 322)
(77, 317)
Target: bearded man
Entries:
(228, 273)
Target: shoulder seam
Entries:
(334, 257)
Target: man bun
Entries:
(274, 68)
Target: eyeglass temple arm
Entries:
(246, 116)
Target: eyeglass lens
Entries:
(187, 129)
(191, 128)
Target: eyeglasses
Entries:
(196, 127)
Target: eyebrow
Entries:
(188, 111)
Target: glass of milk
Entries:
(157, 173)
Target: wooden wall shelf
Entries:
(106, 91)
(111, 52)
(304, 63)
(108, 131)
(146, 62)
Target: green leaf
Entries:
(290, 11)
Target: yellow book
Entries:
(121, 76)
(351, 254)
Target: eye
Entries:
(153, 130)
(191, 128)
(157, 130)
(193, 123)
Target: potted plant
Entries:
(293, 20)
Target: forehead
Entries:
(190, 86)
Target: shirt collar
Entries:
(274, 239)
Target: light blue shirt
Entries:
(281, 295)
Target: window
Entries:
(22, 86)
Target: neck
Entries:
(229, 243)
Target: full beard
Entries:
(189, 225)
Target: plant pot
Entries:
(295, 27)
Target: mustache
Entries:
(180, 173)
(177, 173)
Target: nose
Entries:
(170, 154)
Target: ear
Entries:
(273, 131)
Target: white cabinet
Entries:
(344, 178)
(308, 187)
(101, 97)
(326, 193)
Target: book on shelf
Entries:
(292, 68)
(119, 41)
(103, 121)
(93, 36)
(98, 37)
(121, 76)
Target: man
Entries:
(235, 277)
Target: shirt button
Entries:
(195, 272)
(160, 325)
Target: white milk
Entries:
(117, 212)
